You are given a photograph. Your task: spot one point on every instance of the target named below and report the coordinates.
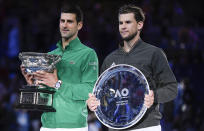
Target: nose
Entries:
(64, 24)
(123, 26)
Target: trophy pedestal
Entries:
(35, 98)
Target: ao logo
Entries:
(123, 93)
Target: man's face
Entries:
(68, 25)
(128, 26)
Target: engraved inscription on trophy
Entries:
(44, 99)
(27, 97)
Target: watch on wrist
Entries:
(58, 84)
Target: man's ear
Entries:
(80, 25)
(140, 25)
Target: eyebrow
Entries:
(68, 20)
(126, 21)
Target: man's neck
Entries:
(128, 45)
(65, 42)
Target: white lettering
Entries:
(124, 93)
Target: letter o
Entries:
(125, 92)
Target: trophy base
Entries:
(35, 98)
(36, 107)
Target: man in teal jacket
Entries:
(73, 79)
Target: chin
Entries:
(65, 36)
(125, 38)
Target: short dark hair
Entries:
(137, 11)
(72, 8)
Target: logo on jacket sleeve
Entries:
(94, 64)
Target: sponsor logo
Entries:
(94, 64)
(113, 64)
(72, 62)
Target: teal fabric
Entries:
(78, 70)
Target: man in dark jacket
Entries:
(148, 59)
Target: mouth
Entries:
(65, 30)
(124, 32)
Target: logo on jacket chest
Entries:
(113, 64)
(71, 62)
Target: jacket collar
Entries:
(136, 44)
(74, 44)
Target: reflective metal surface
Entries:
(33, 61)
(120, 90)
(37, 97)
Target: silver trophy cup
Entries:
(37, 97)
(121, 90)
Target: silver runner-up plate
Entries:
(121, 90)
